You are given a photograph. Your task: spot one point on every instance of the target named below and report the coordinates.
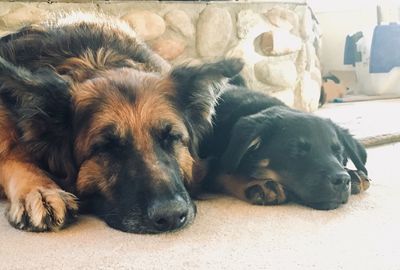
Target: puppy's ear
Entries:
(246, 135)
(353, 149)
(198, 89)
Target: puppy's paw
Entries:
(43, 209)
(359, 181)
(265, 192)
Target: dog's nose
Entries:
(340, 179)
(168, 214)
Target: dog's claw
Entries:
(43, 210)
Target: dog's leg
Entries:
(254, 191)
(36, 202)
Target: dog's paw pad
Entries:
(266, 192)
(359, 181)
(255, 195)
(43, 210)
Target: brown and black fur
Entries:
(88, 111)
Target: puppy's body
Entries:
(87, 110)
(262, 151)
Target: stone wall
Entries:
(279, 42)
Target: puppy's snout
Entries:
(168, 214)
(340, 179)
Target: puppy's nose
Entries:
(168, 214)
(340, 179)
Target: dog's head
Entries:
(132, 137)
(305, 153)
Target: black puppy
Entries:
(265, 153)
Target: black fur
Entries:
(309, 153)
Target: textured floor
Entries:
(365, 119)
(229, 234)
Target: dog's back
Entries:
(82, 41)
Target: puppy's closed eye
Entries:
(300, 148)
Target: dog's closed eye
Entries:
(300, 148)
(169, 136)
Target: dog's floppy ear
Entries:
(353, 149)
(40, 106)
(198, 88)
(246, 135)
(38, 99)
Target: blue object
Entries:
(385, 48)
(351, 55)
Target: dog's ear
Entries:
(198, 88)
(40, 106)
(353, 149)
(247, 134)
(39, 100)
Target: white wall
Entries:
(342, 17)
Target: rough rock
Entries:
(247, 22)
(168, 49)
(278, 42)
(306, 23)
(283, 18)
(180, 22)
(286, 96)
(282, 74)
(22, 16)
(308, 96)
(214, 31)
(148, 25)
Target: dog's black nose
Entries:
(340, 179)
(168, 214)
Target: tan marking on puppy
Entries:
(36, 202)
(255, 143)
(233, 185)
(271, 191)
(263, 163)
(359, 181)
(263, 173)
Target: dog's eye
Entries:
(169, 136)
(299, 148)
(108, 143)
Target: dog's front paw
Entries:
(359, 181)
(266, 192)
(43, 209)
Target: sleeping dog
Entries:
(88, 111)
(264, 152)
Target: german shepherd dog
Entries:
(88, 111)
(264, 152)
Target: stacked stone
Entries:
(279, 43)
